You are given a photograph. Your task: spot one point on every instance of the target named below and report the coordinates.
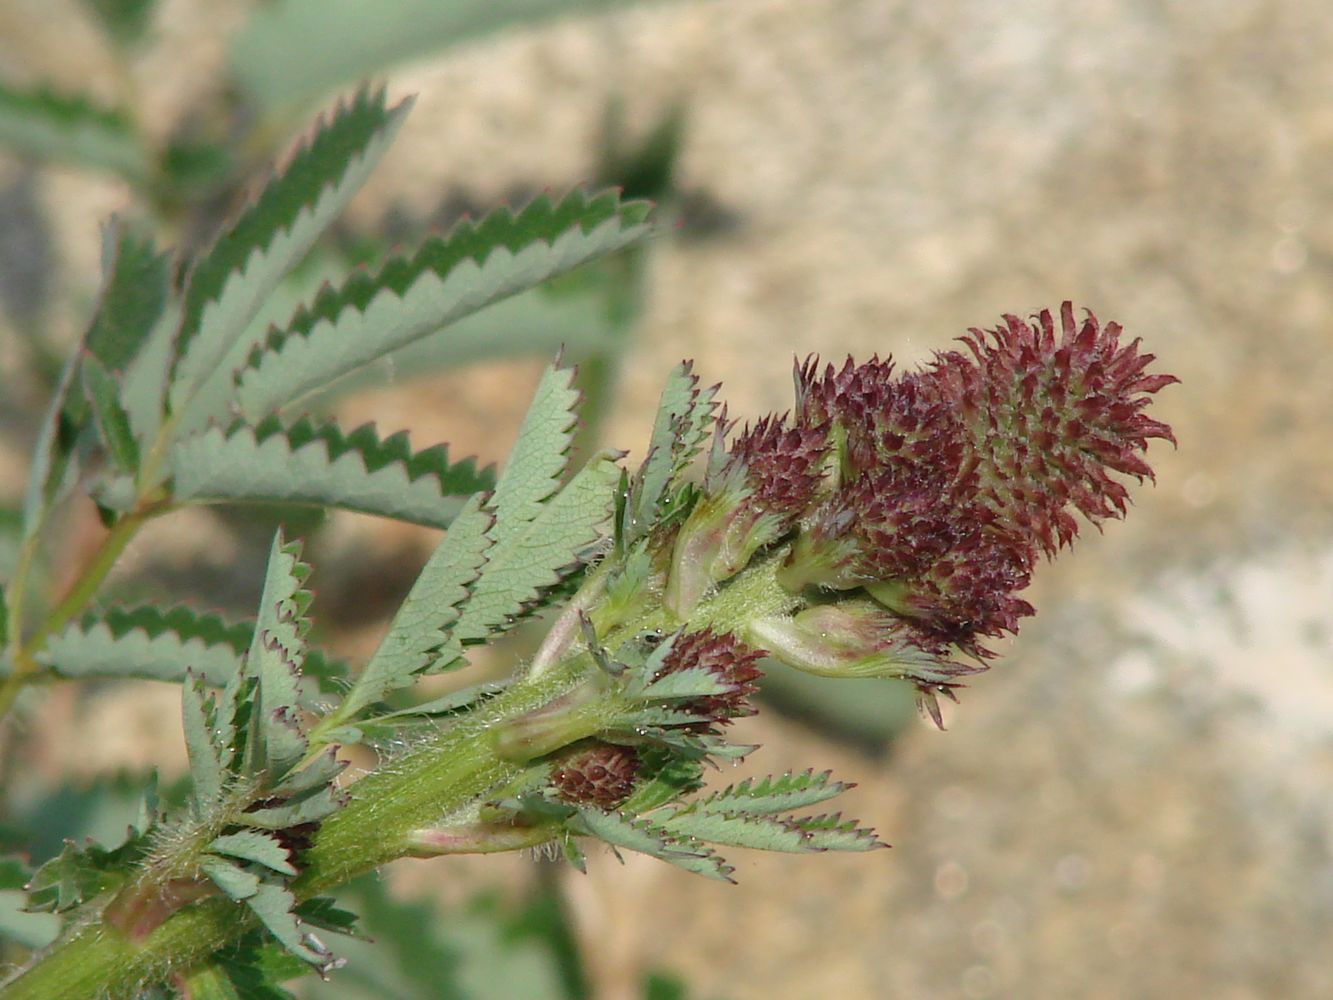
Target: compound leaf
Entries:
(228, 285)
(527, 561)
(319, 464)
(447, 278)
(419, 632)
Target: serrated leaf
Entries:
(135, 290)
(540, 455)
(447, 278)
(77, 875)
(276, 744)
(663, 778)
(319, 464)
(150, 643)
(684, 416)
(113, 424)
(324, 913)
(273, 905)
(143, 390)
(693, 682)
(643, 836)
(250, 845)
(774, 794)
(315, 805)
(419, 629)
(206, 768)
(319, 773)
(238, 883)
(833, 833)
(528, 560)
(71, 129)
(763, 833)
(228, 285)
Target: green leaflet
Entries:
(113, 424)
(236, 882)
(529, 559)
(833, 833)
(144, 385)
(274, 62)
(319, 464)
(540, 455)
(420, 628)
(774, 794)
(644, 836)
(54, 467)
(228, 285)
(73, 130)
(684, 417)
(276, 744)
(762, 833)
(135, 289)
(447, 278)
(149, 643)
(206, 770)
(273, 905)
(158, 644)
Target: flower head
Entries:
(952, 479)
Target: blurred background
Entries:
(1137, 801)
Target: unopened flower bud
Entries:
(601, 775)
(766, 483)
(729, 660)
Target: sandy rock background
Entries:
(1135, 802)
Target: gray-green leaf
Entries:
(228, 285)
(447, 278)
(319, 464)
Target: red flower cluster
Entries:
(949, 481)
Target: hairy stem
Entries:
(440, 785)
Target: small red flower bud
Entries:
(725, 657)
(601, 775)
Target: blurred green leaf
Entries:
(126, 21)
(71, 129)
(275, 59)
(484, 951)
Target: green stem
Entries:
(440, 785)
(85, 585)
